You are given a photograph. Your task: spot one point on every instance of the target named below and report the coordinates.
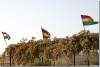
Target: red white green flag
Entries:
(6, 36)
(45, 33)
(88, 20)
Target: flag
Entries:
(87, 20)
(6, 36)
(33, 37)
(45, 33)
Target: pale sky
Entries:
(24, 18)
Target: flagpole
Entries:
(42, 32)
(5, 41)
(84, 27)
(83, 23)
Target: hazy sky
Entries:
(24, 18)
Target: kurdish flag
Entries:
(45, 33)
(87, 20)
(6, 36)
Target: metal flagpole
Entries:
(83, 24)
(84, 27)
(42, 32)
(5, 40)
